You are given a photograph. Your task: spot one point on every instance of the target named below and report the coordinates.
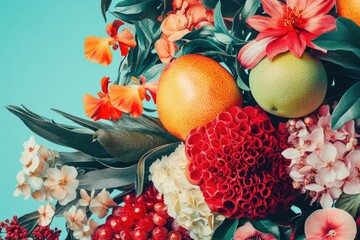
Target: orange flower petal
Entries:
(126, 99)
(98, 50)
(165, 50)
(125, 40)
(152, 88)
(105, 84)
(113, 28)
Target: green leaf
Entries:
(105, 4)
(267, 226)
(348, 107)
(78, 138)
(285, 232)
(218, 20)
(201, 46)
(210, 4)
(108, 178)
(249, 9)
(345, 37)
(226, 230)
(83, 122)
(349, 203)
(204, 32)
(85, 161)
(132, 11)
(348, 64)
(29, 221)
(153, 73)
(147, 159)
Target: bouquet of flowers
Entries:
(253, 133)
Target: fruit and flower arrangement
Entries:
(229, 119)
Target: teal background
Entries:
(42, 66)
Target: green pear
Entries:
(288, 86)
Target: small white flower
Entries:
(101, 203)
(85, 198)
(184, 201)
(87, 230)
(46, 214)
(22, 186)
(62, 184)
(75, 218)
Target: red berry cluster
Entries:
(46, 233)
(141, 218)
(13, 229)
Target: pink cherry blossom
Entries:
(352, 182)
(75, 218)
(22, 186)
(326, 193)
(86, 231)
(332, 224)
(101, 204)
(247, 231)
(329, 168)
(62, 184)
(85, 198)
(46, 214)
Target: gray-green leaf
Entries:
(349, 203)
(348, 107)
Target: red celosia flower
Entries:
(290, 27)
(101, 108)
(98, 49)
(236, 160)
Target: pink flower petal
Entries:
(314, 187)
(253, 52)
(261, 23)
(319, 24)
(301, 4)
(342, 171)
(247, 231)
(328, 153)
(296, 43)
(320, 222)
(276, 47)
(291, 153)
(326, 201)
(273, 8)
(314, 160)
(318, 7)
(69, 172)
(352, 186)
(327, 174)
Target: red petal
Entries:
(126, 99)
(100, 108)
(261, 23)
(253, 52)
(105, 84)
(273, 7)
(276, 47)
(152, 88)
(300, 4)
(318, 7)
(271, 32)
(319, 25)
(113, 28)
(98, 50)
(296, 44)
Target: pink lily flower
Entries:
(290, 27)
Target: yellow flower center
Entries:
(291, 17)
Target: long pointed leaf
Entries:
(108, 178)
(77, 138)
(127, 145)
(83, 122)
(147, 159)
(348, 107)
(105, 4)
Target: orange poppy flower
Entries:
(129, 98)
(98, 49)
(101, 108)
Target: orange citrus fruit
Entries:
(193, 89)
(349, 9)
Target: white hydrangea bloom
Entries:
(184, 201)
